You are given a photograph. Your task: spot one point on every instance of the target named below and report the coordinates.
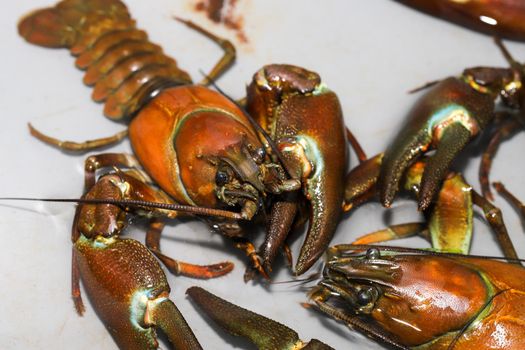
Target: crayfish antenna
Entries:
(424, 86)
(138, 203)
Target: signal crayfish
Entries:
(407, 298)
(200, 148)
(197, 145)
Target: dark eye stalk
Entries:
(221, 178)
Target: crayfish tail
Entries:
(46, 27)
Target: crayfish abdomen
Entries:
(126, 69)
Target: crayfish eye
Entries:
(258, 155)
(221, 178)
(364, 297)
(373, 254)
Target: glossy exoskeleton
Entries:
(414, 299)
(446, 118)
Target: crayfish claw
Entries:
(280, 224)
(396, 161)
(165, 315)
(265, 333)
(453, 140)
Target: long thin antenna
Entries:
(138, 203)
(365, 247)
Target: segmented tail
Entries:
(124, 67)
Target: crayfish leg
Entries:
(249, 249)
(80, 147)
(179, 267)
(356, 146)
(495, 219)
(224, 62)
(510, 197)
(105, 160)
(394, 232)
(504, 132)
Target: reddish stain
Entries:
(221, 11)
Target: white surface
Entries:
(369, 52)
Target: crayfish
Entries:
(407, 298)
(495, 17)
(135, 79)
(199, 147)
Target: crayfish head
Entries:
(240, 175)
(416, 298)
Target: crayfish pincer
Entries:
(124, 281)
(409, 298)
(304, 119)
(446, 118)
(265, 333)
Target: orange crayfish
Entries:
(408, 298)
(198, 146)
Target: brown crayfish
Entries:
(202, 151)
(407, 298)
